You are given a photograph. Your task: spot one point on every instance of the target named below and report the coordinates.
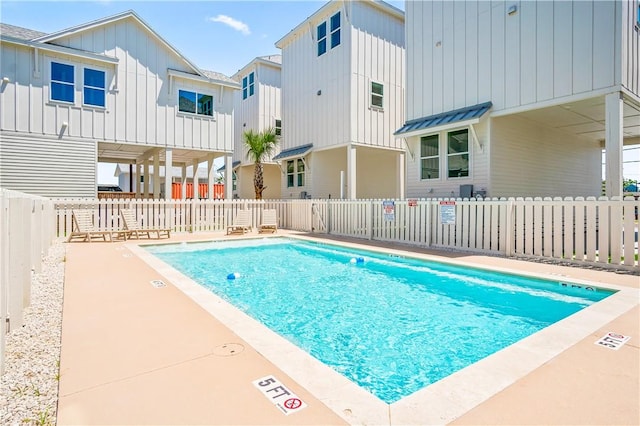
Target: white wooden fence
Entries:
(26, 233)
(597, 231)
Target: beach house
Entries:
(109, 91)
(519, 98)
(342, 99)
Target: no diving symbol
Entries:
(292, 403)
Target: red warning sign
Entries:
(292, 403)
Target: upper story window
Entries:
(322, 38)
(62, 82)
(334, 34)
(335, 30)
(458, 153)
(377, 91)
(195, 103)
(94, 87)
(638, 15)
(248, 85)
(278, 127)
(429, 157)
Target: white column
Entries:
(401, 176)
(228, 177)
(184, 182)
(156, 176)
(146, 186)
(211, 173)
(351, 172)
(168, 174)
(613, 144)
(196, 180)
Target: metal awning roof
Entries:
(444, 118)
(233, 166)
(298, 151)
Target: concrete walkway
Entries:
(135, 354)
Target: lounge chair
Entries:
(82, 227)
(134, 229)
(241, 223)
(269, 221)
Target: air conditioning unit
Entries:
(466, 191)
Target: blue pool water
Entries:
(392, 325)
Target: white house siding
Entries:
(246, 117)
(536, 161)
(309, 117)
(378, 178)
(444, 186)
(144, 110)
(377, 55)
(27, 165)
(467, 52)
(324, 174)
(269, 79)
(631, 47)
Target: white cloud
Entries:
(233, 23)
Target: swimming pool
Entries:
(392, 325)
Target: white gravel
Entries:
(29, 385)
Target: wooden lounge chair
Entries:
(134, 229)
(241, 223)
(82, 227)
(269, 221)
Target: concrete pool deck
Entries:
(133, 353)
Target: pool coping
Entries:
(438, 403)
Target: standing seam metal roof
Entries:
(449, 117)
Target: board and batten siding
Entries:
(467, 52)
(46, 166)
(528, 158)
(141, 107)
(377, 55)
(631, 47)
(444, 186)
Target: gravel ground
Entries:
(29, 385)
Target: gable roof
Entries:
(19, 32)
(109, 20)
(274, 61)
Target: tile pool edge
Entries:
(438, 403)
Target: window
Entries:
(94, 87)
(429, 157)
(638, 15)
(248, 85)
(278, 127)
(234, 181)
(335, 30)
(322, 38)
(62, 82)
(295, 173)
(195, 103)
(376, 95)
(458, 153)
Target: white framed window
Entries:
(335, 30)
(321, 33)
(377, 92)
(195, 103)
(458, 154)
(94, 87)
(430, 157)
(248, 84)
(333, 36)
(62, 88)
(278, 127)
(295, 173)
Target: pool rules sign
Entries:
(448, 212)
(287, 401)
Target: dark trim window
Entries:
(377, 91)
(94, 87)
(458, 154)
(429, 157)
(248, 84)
(62, 82)
(335, 30)
(195, 103)
(322, 38)
(278, 127)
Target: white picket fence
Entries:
(601, 231)
(26, 232)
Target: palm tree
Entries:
(259, 147)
